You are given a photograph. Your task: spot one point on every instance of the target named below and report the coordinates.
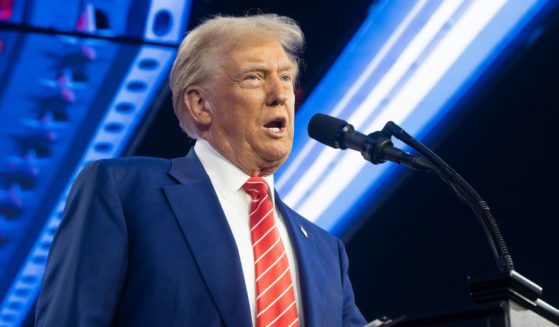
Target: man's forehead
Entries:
(260, 53)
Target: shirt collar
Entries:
(225, 176)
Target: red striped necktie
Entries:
(275, 298)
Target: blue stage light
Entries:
(73, 99)
(409, 62)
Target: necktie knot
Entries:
(256, 187)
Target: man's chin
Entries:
(279, 155)
(273, 161)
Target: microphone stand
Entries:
(505, 284)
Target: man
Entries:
(201, 240)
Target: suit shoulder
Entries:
(129, 164)
(127, 169)
(134, 163)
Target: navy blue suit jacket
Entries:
(144, 242)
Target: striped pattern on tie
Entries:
(275, 298)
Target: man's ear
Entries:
(197, 105)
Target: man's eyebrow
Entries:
(265, 68)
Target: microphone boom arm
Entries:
(378, 148)
(465, 192)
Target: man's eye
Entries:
(251, 77)
(286, 78)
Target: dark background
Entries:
(415, 249)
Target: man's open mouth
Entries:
(277, 125)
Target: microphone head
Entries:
(328, 130)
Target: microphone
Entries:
(375, 147)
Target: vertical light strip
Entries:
(428, 73)
(326, 159)
(418, 58)
(355, 88)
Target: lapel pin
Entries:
(304, 231)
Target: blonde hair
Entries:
(191, 66)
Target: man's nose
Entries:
(277, 91)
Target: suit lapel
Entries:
(207, 232)
(311, 275)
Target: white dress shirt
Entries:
(227, 180)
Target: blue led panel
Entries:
(76, 80)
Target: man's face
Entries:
(251, 101)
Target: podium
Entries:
(501, 300)
(506, 313)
